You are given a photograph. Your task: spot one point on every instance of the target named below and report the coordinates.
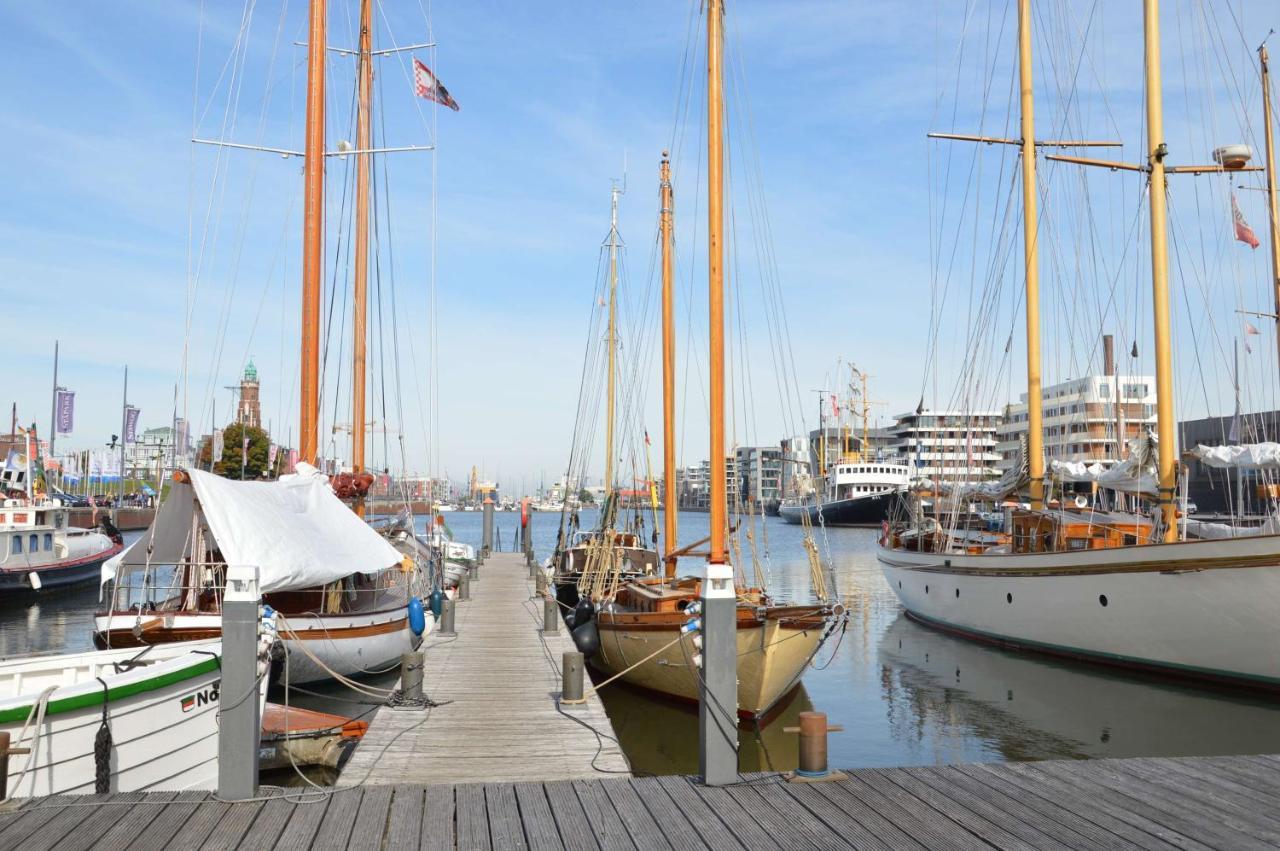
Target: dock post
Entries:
(486, 546)
(571, 677)
(533, 567)
(411, 675)
(464, 587)
(550, 615)
(539, 586)
(447, 612)
(239, 710)
(718, 694)
(813, 731)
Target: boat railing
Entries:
(168, 587)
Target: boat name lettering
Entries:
(205, 696)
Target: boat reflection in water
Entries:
(661, 736)
(1026, 707)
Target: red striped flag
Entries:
(425, 85)
(1244, 233)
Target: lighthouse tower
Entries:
(250, 412)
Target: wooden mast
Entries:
(1273, 212)
(715, 274)
(360, 295)
(670, 496)
(1166, 426)
(1031, 259)
(612, 343)
(312, 236)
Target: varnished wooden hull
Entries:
(772, 653)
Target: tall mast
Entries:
(1273, 212)
(612, 342)
(53, 417)
(715, 274)
(671, 498)
(360, 297)
(312, 237)
(1031, 259)
(1166, 427)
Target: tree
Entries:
(585, 497)
(255, 461)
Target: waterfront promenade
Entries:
(1189, 803)
(496, 685)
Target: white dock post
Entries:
(718, 695)
(239, 710)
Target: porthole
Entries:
(1102, 598)
(957, 593)
(1008, 598)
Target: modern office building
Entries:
(947, 446)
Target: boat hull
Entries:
(1202, 610)
(163, 720)
(16, 583)
(317, 645)
(869, 510)
(772, 655)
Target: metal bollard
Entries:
(533, 570)
(447, 616)
(239, 711)
(571, 677)
(475, 569)
(539, 585)
(411, 676)
(813, 731)
(464, 587)
(550, 616)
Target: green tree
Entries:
(255, 461)
(585, 497)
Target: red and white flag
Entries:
(1244, 233)
(425, 85)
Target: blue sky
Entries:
(113, 217)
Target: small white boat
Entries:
(39, 549)
(161, 707)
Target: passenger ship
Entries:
(856, 493)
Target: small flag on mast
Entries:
(425, 85)
(1244, 233)
(1249, 329)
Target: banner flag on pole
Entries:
(425, 85)
(217, 445)
(272, 450)
(131, 424)
(66, 406)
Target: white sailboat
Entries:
(1121, 589)
(160, 707)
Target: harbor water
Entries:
(905, 694)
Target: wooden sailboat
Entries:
(1121, 589)
(167, 587)
(642, 624)
(587, 559)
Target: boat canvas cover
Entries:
(1135, 474)
(1246, 456)
(294, 530)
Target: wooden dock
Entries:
(496, 682)
(1190, 803)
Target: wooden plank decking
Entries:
(1188, 803)
(497, 684)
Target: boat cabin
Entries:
(854, 479)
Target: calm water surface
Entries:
(905, 694)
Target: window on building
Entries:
(33, 543)
(48, 541)
(17, 544)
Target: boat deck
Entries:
(496, 684)
(1189, 803)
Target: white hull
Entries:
(156, 744)
(1206, 609)
(350, 645)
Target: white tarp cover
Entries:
(1135, 474)
(1247, 456)
(295, 530)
